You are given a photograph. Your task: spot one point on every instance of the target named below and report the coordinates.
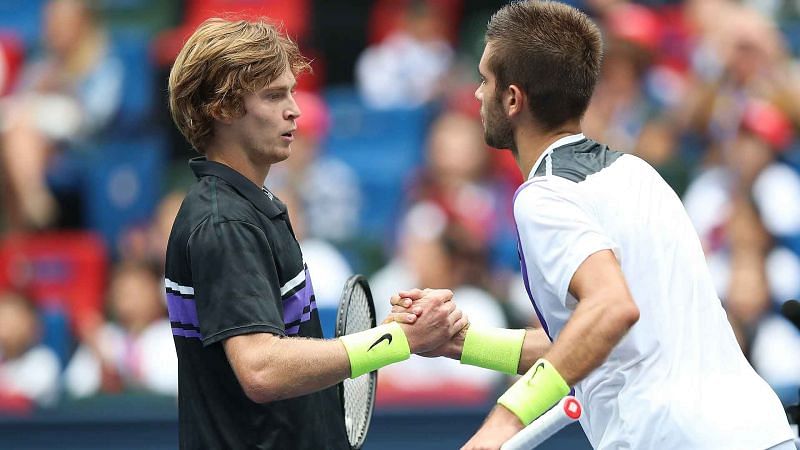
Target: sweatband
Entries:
(374, 348)
(535, 392)
(493, 348)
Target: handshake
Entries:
(432, 323)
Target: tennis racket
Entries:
(357, 313)
(565, 412)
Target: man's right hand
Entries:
(443, 333)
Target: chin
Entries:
(281, 156)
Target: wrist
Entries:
(457, 349)
(508, 418)
(492, 348)
(535, 392)
(375, 348)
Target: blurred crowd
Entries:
(389, 174)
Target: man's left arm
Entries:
(604, 313)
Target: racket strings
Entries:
(358, 391)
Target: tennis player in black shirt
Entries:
(254, 371)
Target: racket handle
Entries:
(565, 412)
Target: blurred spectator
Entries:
(67, 95)
(28, 370)
(750, 166)
(620, 106)
(658, 145)
(133, 352)
(778, 10)
(774, 351)
(740, 57)
(456, 173)
(436, 254)
(326, 186)
(459, 178)
(328, 268)
(739, 206)
(148, 244)
(407, 68)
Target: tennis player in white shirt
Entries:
(611, 263)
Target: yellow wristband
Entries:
(493, 348)
(536, 392)
(374, 348)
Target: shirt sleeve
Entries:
(236, 286)
(557, 231)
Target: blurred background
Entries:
(389, 177)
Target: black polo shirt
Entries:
(234, 267)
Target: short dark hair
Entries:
(552, 52)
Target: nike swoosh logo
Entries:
(386, 337)
(536, 369)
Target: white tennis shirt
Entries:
(678, 379)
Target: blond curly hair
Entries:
(222, 61)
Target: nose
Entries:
(293, 111)
(478, 93)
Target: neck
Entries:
(531, 142)
(238, 161)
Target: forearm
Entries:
(535, 346)
(310, 365)
(275, 368)
(271, 368)
(587, 339)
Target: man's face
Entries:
(267, 128)
(497, 129)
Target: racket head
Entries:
(357, 313)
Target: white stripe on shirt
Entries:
(186, 290)
(294, 282)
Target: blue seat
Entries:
(56, 332)
(118, 182)
(124, 185)
(138, 98)
(382, 146)
(117, 174)
(24, 18)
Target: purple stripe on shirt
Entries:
(187, 333)
(294, 306)
(304, 317)
(525, 268)
(182, 310)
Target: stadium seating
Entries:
(382, 146)
(11, 54)
(64, 273)
(123, 186)
(117, 176)
(23, 17)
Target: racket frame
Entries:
(341, 322)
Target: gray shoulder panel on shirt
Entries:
(578, 160)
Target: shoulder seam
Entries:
(221, 222)
(216, 224)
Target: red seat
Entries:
(294, 15)
(386, 17)
(11, 57)
(65, 270)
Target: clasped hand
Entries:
(434, 326)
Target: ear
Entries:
(221, 114)
(514, 101)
